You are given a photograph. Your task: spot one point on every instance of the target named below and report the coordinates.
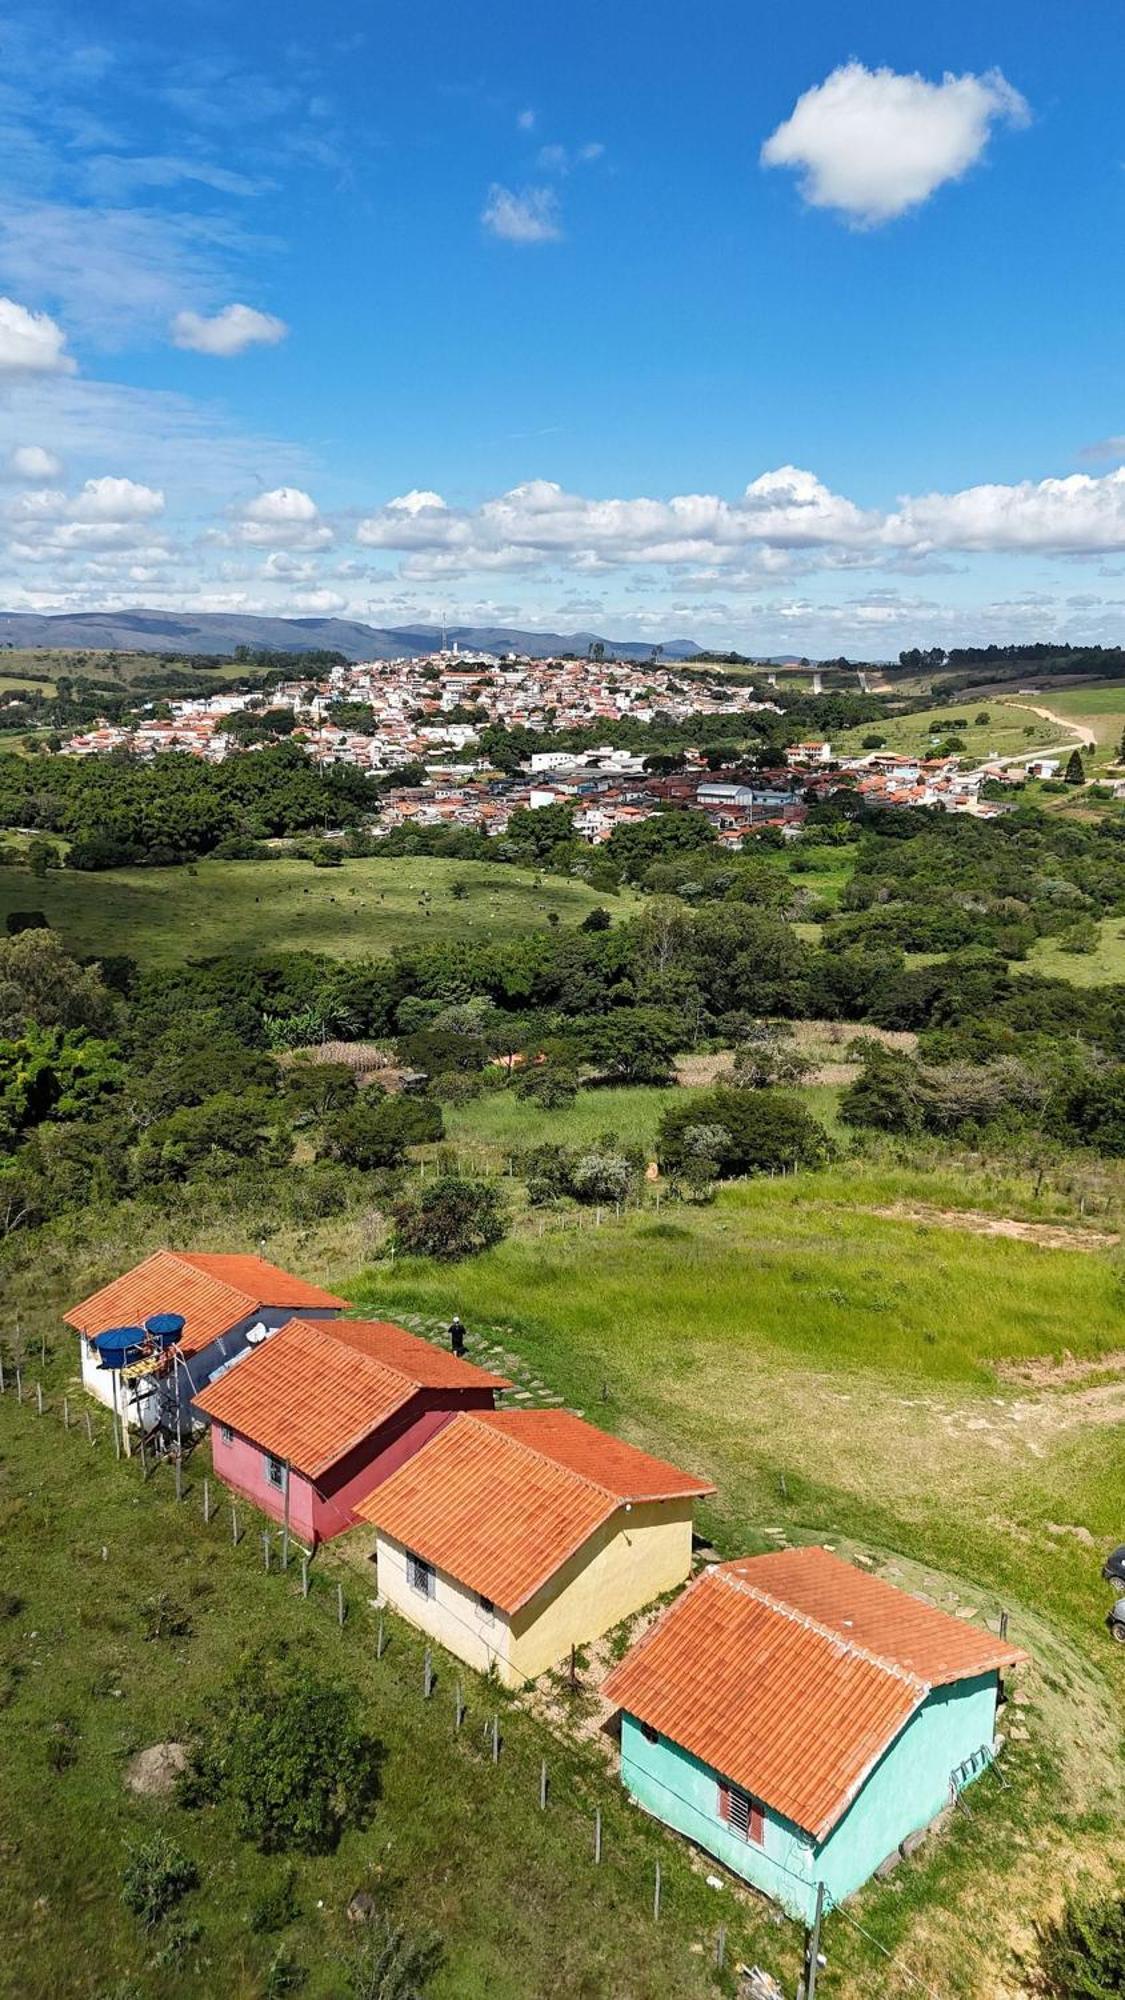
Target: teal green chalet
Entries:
(800, 1719)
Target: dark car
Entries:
(1113, 1568)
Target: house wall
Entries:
(907, 1789)
(632, 1558)
(453, 1615)
(910, 1784)
(635, 1556)
(683, 1792)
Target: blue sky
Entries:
(795, 327)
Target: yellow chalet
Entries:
(514, 1535)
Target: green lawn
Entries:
(365, 908)
(491, 1127)
(1008, 731)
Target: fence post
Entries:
(116, 1437)
(266, 1548)
(597, 1837)
(380, 1641)
(66, 1413)
(496, 1739)
(1003, 1624)
(39, 1399)
(814, 1945)
(721, 1947)
(3, 1383)
(656, 1896)
(206, 1501)
(19, 1383)
(234, 1523)
(427, 1676)
(459, 1706)
(304, 1576)
(543, 1786)
(179, 1477)
(340, 1612)
(89, 1428)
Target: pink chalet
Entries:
(311, 1421)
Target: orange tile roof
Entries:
(500, 1499)
(428, 1366)
(619, 1468)
(213, 1292)
(792, 1673)
(312, 1392)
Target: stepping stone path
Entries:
(527, 1389)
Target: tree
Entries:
(766, 1056)
(376, 1134)
(886, 1095)
(597, 919)
(451, 1217)
(1075, 772)
(41, 983)
(633, 1044)
(763, 1130)
(287, 1749)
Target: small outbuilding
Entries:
(308, 1423)
(224, 1304)
(799, 1719)
(512, 1537)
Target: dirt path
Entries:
(1076, 730)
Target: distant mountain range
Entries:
(221, 632)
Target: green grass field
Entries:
(1102, 967)
(163, 915)
(1100, 709)
(1009, 731)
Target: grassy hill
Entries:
(364, 908)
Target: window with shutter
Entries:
(420, 1575)
(741, 1813)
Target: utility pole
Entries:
(814, 1945)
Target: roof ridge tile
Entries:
(735, 1582)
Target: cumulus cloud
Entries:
(34, 461)
(31, 343)
(106, 514)
(528, 217)
(525, 120)
(284, 518)
(873, 144)
(228, 332)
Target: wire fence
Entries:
(480, 1720)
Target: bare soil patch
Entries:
(152, 1773)
(1047, 1235)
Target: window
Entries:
(226, 1433)
(485, 1606)
(420, 1575)
(741, 1814)
(275, 1470)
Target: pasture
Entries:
(1102, 967)
(365, 908)
(1008, 732)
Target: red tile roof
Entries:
(501, 1499)
(792, 1673)
(213, 1292)
(311, 1393)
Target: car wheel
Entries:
(1117, 1632)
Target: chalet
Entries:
(800, 1719)
(512, 1537)
(318, 1415)
(225, 1302)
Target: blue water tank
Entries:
(165, 1328)
(119, 1345)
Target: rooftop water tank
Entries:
(165, 1329)
(119, 1345)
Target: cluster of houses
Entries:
(796, 1717)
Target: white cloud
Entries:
(872, 143)
(34, 461)
(106, 514)
(525, 121)
(31, 343)
(228, 332)
(528, 217)
(284, 518)
(555, 159)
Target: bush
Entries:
(388, 1964)
(1082, 1957)
(157, 1875)
(372, 1135)
(762, 1131)
(551, 1089)
(276, 1908)
(451, 1217)
(286, 1748)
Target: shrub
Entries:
(277, 1907)
(1082, 1957)
(451, 1217)
(157, 1875)
(388, 1964)
(551, 1089)
(286, 1748)
(763, 1130)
